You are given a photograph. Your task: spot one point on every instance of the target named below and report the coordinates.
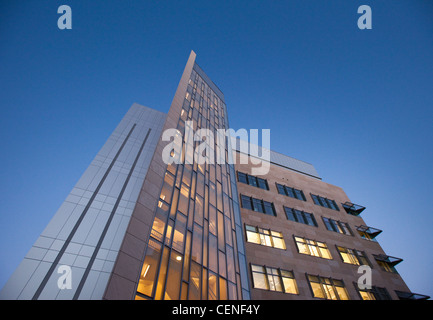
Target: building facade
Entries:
(137, 226)
(306, 240)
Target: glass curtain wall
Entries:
(196, 247)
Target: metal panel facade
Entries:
(86, 232)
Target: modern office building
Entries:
(137, 226)
(305, 239)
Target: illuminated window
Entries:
(160, 221)
(265, 237)
(374, 293)
(167, 187)
(312, 248)
(273, 279)
(368, 233)
(387, 263)
(353, 256)
(327, 288)
(150, 268)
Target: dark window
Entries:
(299, 194)
(246, 202)
(242, 177)
(253, 181)
(300, 216)
(310, 219)
(316, 200)
(281, 189)
(262, 183)
(258, 205)
(333, 205)
(269, 208)
(291, 192)
(337, 226)
(324, 202)
(289, 214)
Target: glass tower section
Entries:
(196, 249)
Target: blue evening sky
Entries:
(358, 104)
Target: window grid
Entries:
(353, 256)
(327, 288)
(300, 216)
(337, 226)
(374, 293)
(264, 237)
(258, 205)
(273, 279)
(253, 181)
(291, 192)
(312, 248)
(324, 202)
(385, 266)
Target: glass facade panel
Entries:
(150, 268)
(290, 285)
(172, 290)
(213, 286)
(158, 227)
(259, 280)
(179, 233)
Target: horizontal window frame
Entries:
(329, 282)
(290, 192)
(267, 275)
(315, 245)
(303, 215)
(260, 203)
(355, 254)
(324, 202)
(340, 224)
(252, 180)
(271, 236)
